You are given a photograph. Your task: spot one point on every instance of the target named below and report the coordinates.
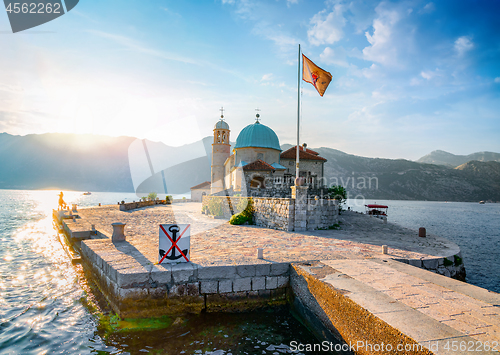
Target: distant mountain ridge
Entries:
(440, 157)
(100, 163)
(401, 179)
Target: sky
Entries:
(409, 77)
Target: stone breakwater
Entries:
(136, 287)
(127, 274)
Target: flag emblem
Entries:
(314, 75)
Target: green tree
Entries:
(339, 193)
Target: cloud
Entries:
(429, 74)
(415, 82)
(337, 56)
(267, 77)
(170, 12)
(463, 44)
(327, 28)
(362, 14)
(497, 80)
(290, 2)
(382, 49)
(283, 41)
(139, 47)
(428, 8)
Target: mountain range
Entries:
(100, 163)
(440, 157)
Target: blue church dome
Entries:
(257, 135)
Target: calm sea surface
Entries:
(44, 300)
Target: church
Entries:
(256, 165)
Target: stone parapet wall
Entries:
(450, 266)
(134, 205)
(321, 213)
(277, 213)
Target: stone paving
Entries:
(216, 242)
(472, 311)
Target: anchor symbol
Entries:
(174, 239)
(175, 229)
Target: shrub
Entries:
(152, 195)
(215, 207)
(238, 219)
(246, 214)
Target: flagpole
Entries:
(298, 123)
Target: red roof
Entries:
(376, 206)
(203, 185)
(307, 150)
(307, 154)
(258, 165)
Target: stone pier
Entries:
(339, 280)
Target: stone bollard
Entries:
(118, 232)
(73, 207)
(260, 253)
(422, 232)
(384, 249)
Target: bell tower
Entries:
(221, 150)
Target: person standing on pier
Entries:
(62, 204)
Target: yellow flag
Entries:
(313, 74)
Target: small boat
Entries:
(379, 211)
(87, 193)
(482, 202)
